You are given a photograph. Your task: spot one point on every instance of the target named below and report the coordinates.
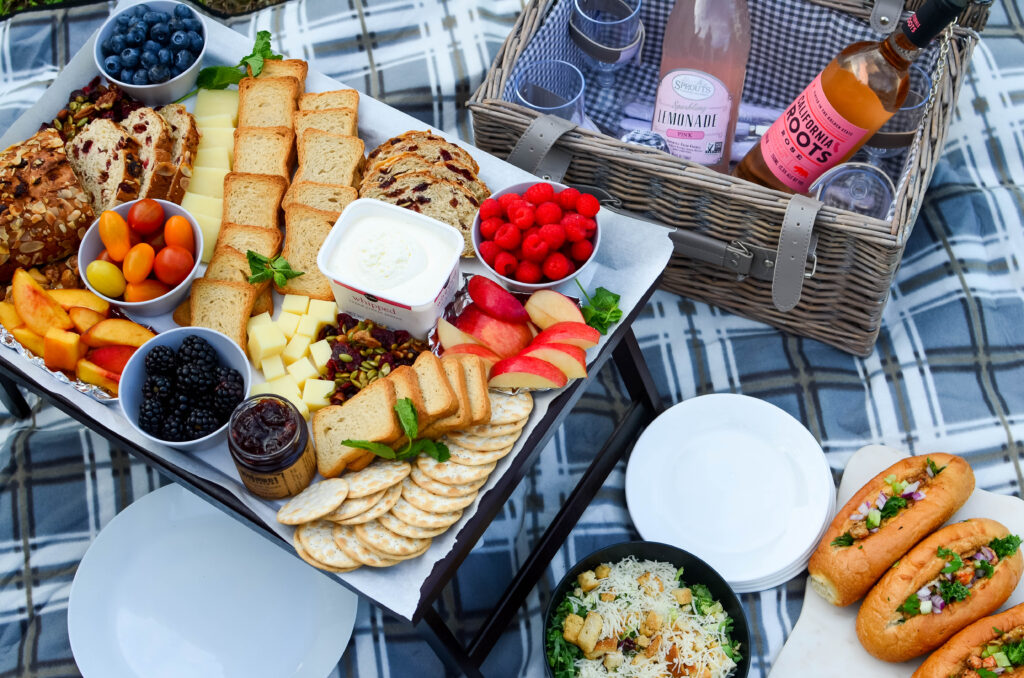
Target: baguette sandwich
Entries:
(954, 577)
(880, 523)
(991, 646)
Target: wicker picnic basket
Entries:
(855, 258)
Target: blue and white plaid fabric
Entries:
(948, 372)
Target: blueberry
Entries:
(175, 25)
(112, 65)
(130, 57)
(141, 77)
(179, 40)
(105, 47)
(149, 59)
(166, 56)
(151, 17)
(159, 73)
(117, 43)
(193, 25)
(122, 20)
(195, 42)
(126, 75)
(135, 37)
(182, 12)
(151, 46)
(159, 32)
(140, 9)
(183, 59)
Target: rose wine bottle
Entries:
(844, 106)
(703, 61)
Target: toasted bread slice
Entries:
(438, 396)
(339, 98)
(230, 264)
(264, 303)
(330, 158)
(305, 232)
(463, 415)
(267, 102)
(327, 197)
(475, 371)
(333, 120)
(277, 68)
(407, 386)
(224, 306)
(253, 199)
(368, 415)
(265, 241)
(265, 150)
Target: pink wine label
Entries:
(692, 113)
(808, 139)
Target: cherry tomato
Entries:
(105, 278)
(146, 216)
(138, 263)
(104, 256)
(145, 290)
(157, 242)
(177, 231)
(173, 264)
(114, 234)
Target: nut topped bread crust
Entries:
(44, 211)
(386, 171)
(185, 142)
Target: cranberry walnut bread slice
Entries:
(253, 199)
(224, 306)
(265, 150)
(339, 98)
(267, 102)
(43, 210)
(430, 146)
(106, 160)
(384, 173)
(153, 135)
(329, 158)
(304, 233)
(328, 197)
(443, 200)
(184, 144)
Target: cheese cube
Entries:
(273, 367)
(295, 303)
(288, 322)
(257, 320)
(309, 326)
(210, 226)
(265, 341)
(300, 405)
(208, 181)
(197, 203)
(297, 347)
(224, 137)
(286, 387)
(212, 156)
(217, 102)
(261, 389)
(301, 370)
(320, 352)
(218, 120)
(326, 311)
(317, 393)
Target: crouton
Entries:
(652, 649)
(641, 640)
(675, 667)
(591, 631)
(571, 628)
(650, 582)
(604, 646)
(683, 596)
(587, 581)
(613, 660)
(602, 571)
(607, 597)
(652, 624)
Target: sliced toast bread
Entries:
(264, 304)
(463, 415)
(339, 98)
(385, 173)
(328, 197)
(184, 146)
(224, 306)
(267, 102)
(438, 396)
(368, 415)
(276, 68)
(329, 158)
(231, 264)
(306, 230)
(475, 371)
(265, 241)
(153, 135)
(253, 199)
(333, 120)
(106, 160)
(265, 150)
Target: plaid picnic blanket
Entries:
(947, 373)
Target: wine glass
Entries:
(609, 33)
(857, 187)
(554, 87)
(899, 131)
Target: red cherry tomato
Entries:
(105, 256)
(146, 216)
(173, 264)
(177, 231)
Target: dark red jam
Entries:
(264, 428)
(270, 445)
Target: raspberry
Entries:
(535, 249)
(554, 235)
(549, 213)
(539, 193)
(505, 200)
(488, 251)
(507, 237)
(505, 264)
(557, 266)
(581, 250)
(567, 198)
(489, 227)
(490, 208)
(522, 216)
(591, 227)
(575, 231)
(587, 205)
(528, 272)
(530, 231)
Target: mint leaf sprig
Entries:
(264, 268)
(602, 311)
(220, 77)
(410, 426)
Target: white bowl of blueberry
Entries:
(152, 50)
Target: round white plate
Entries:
(735, 481)
(174, 588)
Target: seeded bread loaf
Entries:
(430, 146)
(276, 68)
(184, 145)
(305, 231)
(385, 172)
(265, 241)
(443, 200)
(267, 102)
(265, 150)
(106, 160)
(44, 212)
(329, 158)
(224, 306)
(333, 120)
(153, 135)
(339, 98)
(328, 197)
(253, 199)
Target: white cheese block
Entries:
(210, 226)
(316, 393)
(320, 352)
(325, 311)
(197, 203)
(295, 303)
(261, 389)
(288, 322)
(219, 120)
(212, 156)
(286, 387)
(217, 102)
(296, 349)
(208, 181)
(309, 326)
(257, 320)
(219, 137)
(273, 367)
(301, 370)
(265, 341)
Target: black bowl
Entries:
(695, 571)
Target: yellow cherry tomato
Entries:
(106, 278)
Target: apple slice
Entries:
(572, 360)
(577, 334)
(487, 355)
(112, 358)
(495, 300)
(84, 318)
(116, 332)
(450, 335)
(504, 338)
(548, 307)
(91, 373)
(526, 372)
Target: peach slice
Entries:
(505, 339)
(495, 300)
(9, 317)
(37, 309)
(60, 349)
(116, 332)
(487, 355)
(82, 298)
(84, 318)
(577, 334)
(450, 335)
(91, 373)
(572, 360)
(112, 358)
(547, 307)
(526, 372)
(30, 340)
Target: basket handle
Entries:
(535, 151)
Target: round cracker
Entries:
(314, 502)
(345, 538)
(479, 443)
(353, 507)
(464, 457)
(411, 515)
(391, 495)
(492, 430)
(383, 540)
(317, 540)
(301, 552)
(452, 474)
(398, 526)
(380, 475)
(417, 554)
(427, 501)
(442, 489)
(507, 408)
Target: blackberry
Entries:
(195, 377)
(157, 387)
(179, 405)
(197, 351)
(201, 422)
(160, 360)
(151, 417)
(174, 429)
(202, 400)
(227, 394)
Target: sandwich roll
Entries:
(956, 576)
(880, 523)
(988, 647)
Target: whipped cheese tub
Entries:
(392, 265)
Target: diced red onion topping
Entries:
(856, 516)
(880, 502)
(988, 552)
(917, 496)
(873, 530)
(912, 487)
(931, 473)
(937, 604)
(924, 593)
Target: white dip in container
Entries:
(391, 265)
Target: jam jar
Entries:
(271, 447)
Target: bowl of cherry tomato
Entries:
(141, 256)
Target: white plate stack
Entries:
(737, 482)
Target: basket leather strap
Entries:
(794, 246)
(535, 151)
(885, 15)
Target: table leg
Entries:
(446, 646)
(630, 360)
(12, 399)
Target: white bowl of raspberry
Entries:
(537, 235)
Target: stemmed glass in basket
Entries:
(899, 131)
(610, 34)
(553, 87)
